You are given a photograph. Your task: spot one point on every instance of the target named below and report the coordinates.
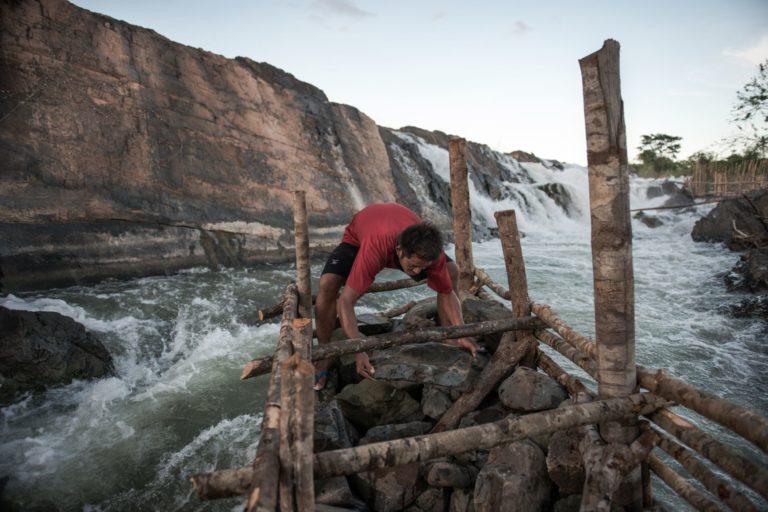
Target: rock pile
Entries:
(414, 386)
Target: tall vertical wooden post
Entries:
(462, 213)
(303, 325)
(611, 246)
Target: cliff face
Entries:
(124, 153)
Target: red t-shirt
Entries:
(375, 229)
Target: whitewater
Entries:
(176, 405)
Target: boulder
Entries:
(649, 220)
(462, 500)
(424, 363)
(332, 430)
(431, 500)
(336, 492)
(752, 307)
(564, 462)
(434, 402)
(370, 403)
(751, 272)
(43, 349)
(745, 213)
(389, 489)
(513, 479)
(479, 310)
(527, 390)
(570, 503)
(396, 431)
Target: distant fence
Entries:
(721, 179)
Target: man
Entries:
(385, 235)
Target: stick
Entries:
(262, 365)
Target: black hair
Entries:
(424, 240)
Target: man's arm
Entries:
(449, 310)
(348, 319)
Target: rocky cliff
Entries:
(124, 153)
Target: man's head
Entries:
(418, 246)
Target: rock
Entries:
(489, 414)
(432, 500)
(319, 507)
(744, 212)
(371, 325)
(447, 474)
(514, 478)
(332, 430)
(527, 390)
(336, 492)
(478, 310)
(424, 363)
(371, 403)
(561, 197)
(434, 402)
(43, 349)
(649, 220)
(570, 503)
(751, 272)
(753, 307)
(564, 462)
(390, 489)
(462, 500)
(396, 431)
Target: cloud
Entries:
(520, 27)
(754, 55)
(340, 8)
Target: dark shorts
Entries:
(340, 262)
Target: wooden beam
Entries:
(462, 213)
(262, 365)
(678, 484)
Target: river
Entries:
(177, 407)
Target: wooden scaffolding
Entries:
(618, 453)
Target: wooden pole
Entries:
(262, 365)
(301, 237)
(714, 483)
(431, 446)
(569, 334)
(263, 492)
(485, 279)
(678, 484)
(611, 245)
(462, 213)
(297, 492)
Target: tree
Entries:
(658, 152)
(751, 114)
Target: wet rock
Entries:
(649, 220)
(745, 213)
(337, 493)
(389, 489)
(478, 310)
(413, 365)
(462, 500)
(43, 349)
(371, 403)
(527, 390)
(448, 474)
(395, 431)
(514, 478)
(561, 196)
(564, 462)
(332, 430)
(434, 402)
(751, 272)
(753, 307)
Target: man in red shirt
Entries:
(385, 235)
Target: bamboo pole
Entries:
(499, 290)
(462, 213)
(297, 491)
(569, 334)
(680, 486)
(747, 424)
(516, 278)
(262, 365)
(263, 492)
(739, 467)
(431, 446)
(385, 286)
(713, 483)
(611, 245)
(516, 347)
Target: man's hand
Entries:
(466, 344)
(364, 366)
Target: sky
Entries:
(502, 73)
